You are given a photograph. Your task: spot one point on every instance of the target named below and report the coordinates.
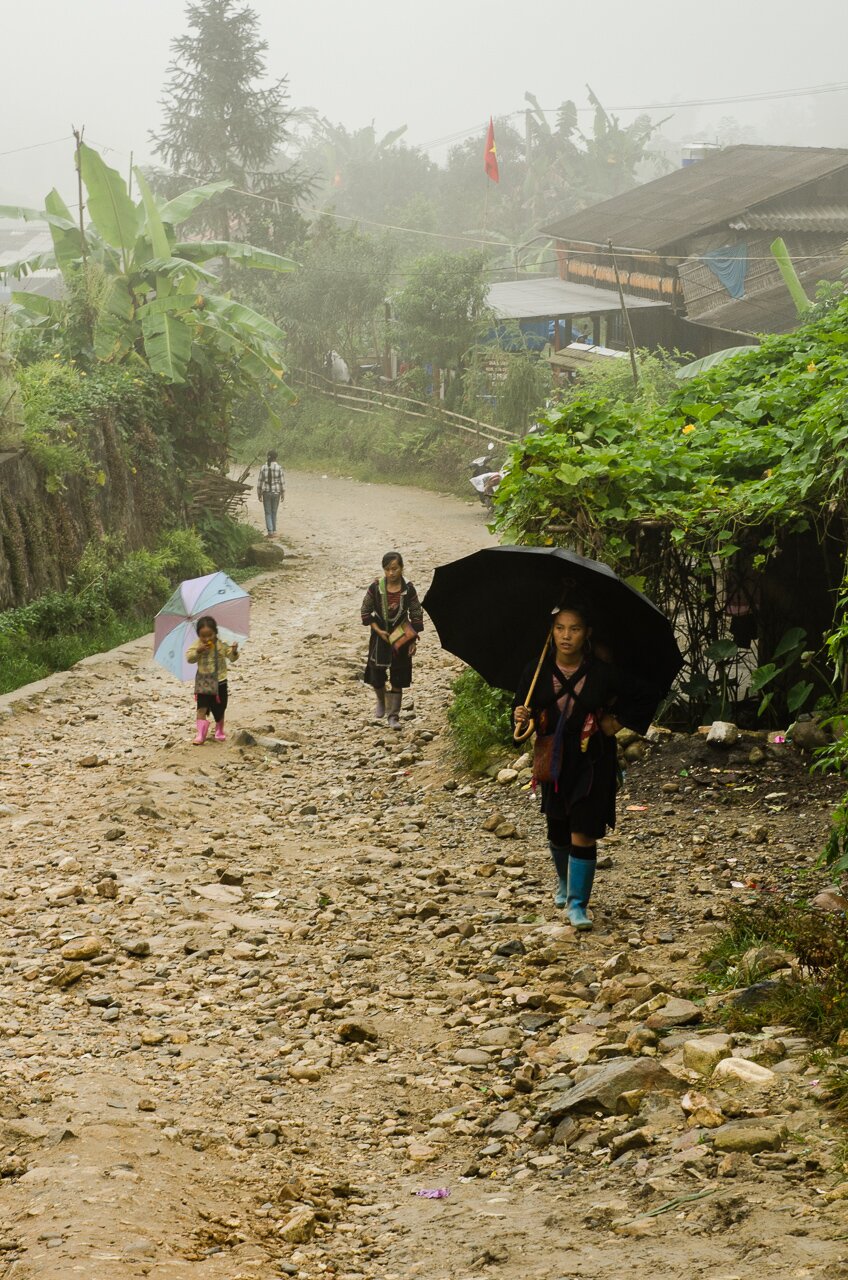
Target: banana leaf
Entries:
(706, 362)
(247, 254)
(167, 345)
(113, 213)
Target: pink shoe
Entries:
(220, 736)
(202, 730)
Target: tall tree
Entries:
(336, 300)
(222, 123)
(442, 307)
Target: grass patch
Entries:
(816, 1000)
(480, 718)
(41, 658)
(111, 598)
(380, 447)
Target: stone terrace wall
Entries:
(42, 534)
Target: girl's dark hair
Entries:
(272, 455)
(390, 556)
(206, 621)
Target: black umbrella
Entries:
(493, 610)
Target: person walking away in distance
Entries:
(392, 610)
(210, 683)
(271, 490)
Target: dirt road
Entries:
(256, 995)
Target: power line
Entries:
(460, 237)
(766, 95)
(34, 146)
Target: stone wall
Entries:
(43, 534)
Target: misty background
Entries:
(439, 68)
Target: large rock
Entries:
(675, 1013)
(87, 948)
(750, 1136)
(830, 900)
(575, 1048)
(809, 734)
(759, 962)
(704, 1054)
(505, 1124)
(722, 734)
(265, 555)
(604, 1088)
(740, 1071)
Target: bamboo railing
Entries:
(368, 399)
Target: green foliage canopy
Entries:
(441, 309)
(753, 446)
(335, 301)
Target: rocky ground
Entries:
(256, 996)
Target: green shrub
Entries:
(225, 542)
(110, 599)
(480, 718)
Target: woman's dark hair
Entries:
(582, 610)
(272, 455)
(389, 557)
(206, 621)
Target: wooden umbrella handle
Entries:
(526, 732)
(530, 727)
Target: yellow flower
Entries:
(767, 474)
(689, 428)
(811, 367)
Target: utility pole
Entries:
(631, 345)
(78, 133)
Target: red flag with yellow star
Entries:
(490, 155)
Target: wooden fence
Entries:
(369, 399)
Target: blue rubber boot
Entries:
(581, 875)
(559, 853)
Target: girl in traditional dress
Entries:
(392, 610)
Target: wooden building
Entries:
(695, 243)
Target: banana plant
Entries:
(159, 303)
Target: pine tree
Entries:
(220, 122)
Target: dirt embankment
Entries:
(256, 996)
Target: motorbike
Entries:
(485, 486)
(485, 463)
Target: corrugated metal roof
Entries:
(18, 242)
(546, 298)
(783, 217)
(659, 214)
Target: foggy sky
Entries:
(441, 67)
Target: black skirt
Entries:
(214, 702)
(383, 663)
(584, 797)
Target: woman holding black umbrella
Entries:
(574, 705)
(576, 698)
